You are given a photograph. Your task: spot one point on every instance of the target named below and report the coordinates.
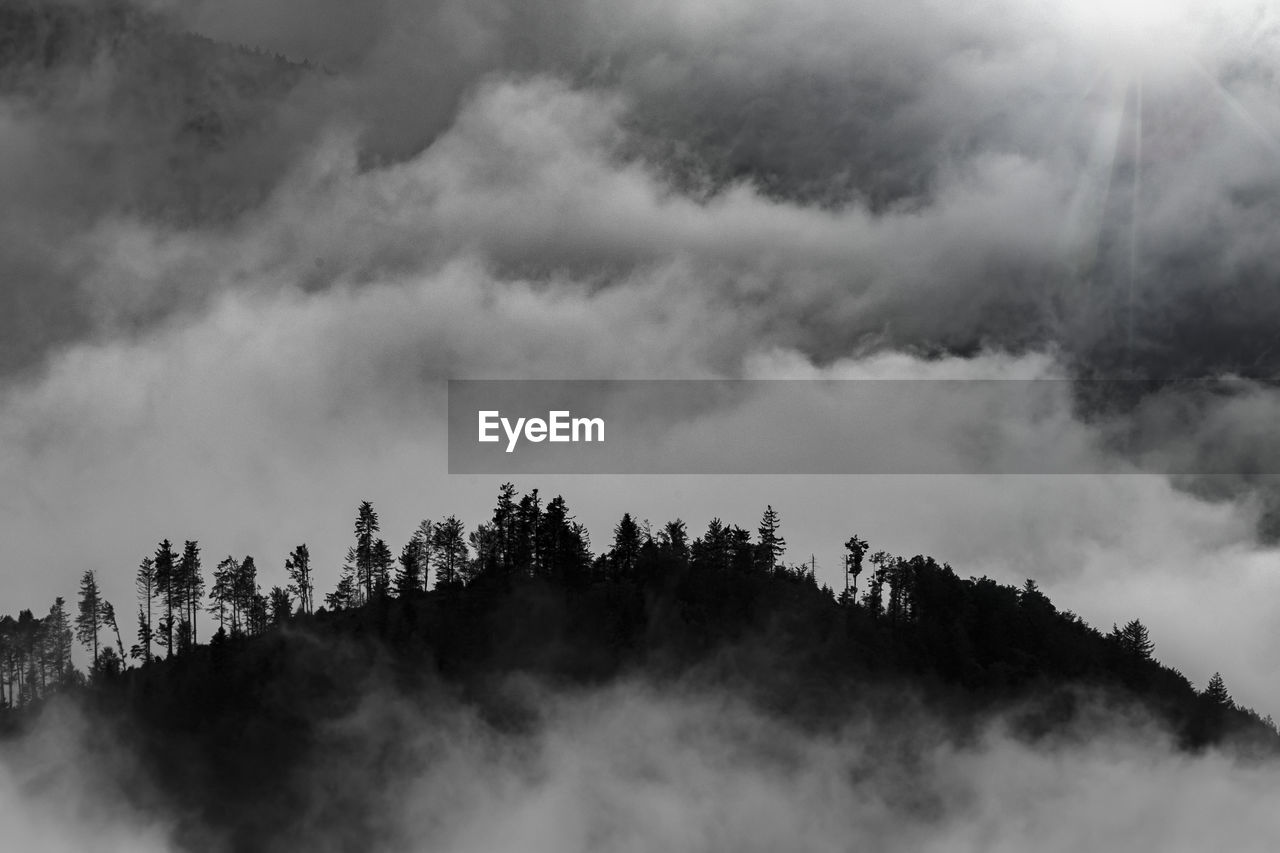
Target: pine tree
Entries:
(60, 637)
(626, 546)
(528, 520)
(1217, 693)
(558, 553)
(109, 665)
(343, 597)
(280, 605)
(380, 569)
(486, 546)
(772, 546)
(245, 593)
(145, 584)
(855, 549)
(168, 588)
(874, 599)
(192, 588)
(44, 655)
(349, 572)
(259, 614)
(224, 592)
(713, 551)
(366, 528)
(25, 633)
(449, 547)
(8, 656)
(580, 550)
(142, 649)
(424, 536)
(1135, 640)
(503, 528)
(741, 553)
(298, 565)
(109, 621)
(673, 540)
(899, 578)
(91, 617)
(409, 577)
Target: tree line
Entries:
(524, 537)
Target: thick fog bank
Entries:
(634, 766)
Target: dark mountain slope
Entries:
(243, 735)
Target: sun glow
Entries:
(1141, 35)
(1151, 37)
(1136, 14)
(1139, 52)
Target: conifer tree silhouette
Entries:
(92, 616)
(772, 545)
(1216, 692)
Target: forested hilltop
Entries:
(243, 684)
(526, 589)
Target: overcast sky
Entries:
(237, 343)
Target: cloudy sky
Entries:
(228, 311)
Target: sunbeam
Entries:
(1259, 131)
(1084, 226)
(1135, 223)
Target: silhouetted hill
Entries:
(231, 730)
(241, 734)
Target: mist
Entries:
(231, 298)
(686, 765)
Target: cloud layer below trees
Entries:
(711, 189)
(635, 766)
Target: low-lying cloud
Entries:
(641, 766)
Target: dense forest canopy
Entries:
(652, 591)
(247, 683)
